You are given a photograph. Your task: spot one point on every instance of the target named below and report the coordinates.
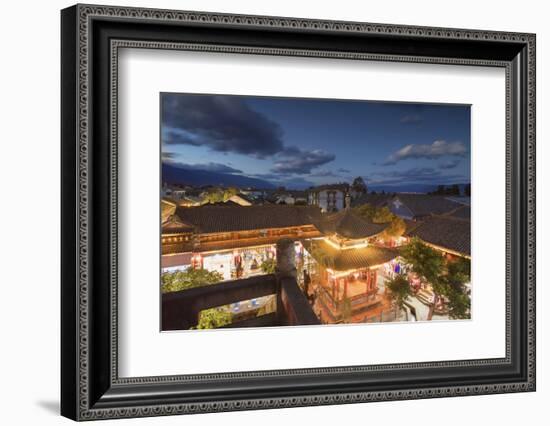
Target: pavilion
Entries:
(348, 260)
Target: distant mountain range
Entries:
(178, 175)
(412, 187)
(172, 174)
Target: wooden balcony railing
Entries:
(180, 310)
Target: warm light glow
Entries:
(361, 244)
(341, 274)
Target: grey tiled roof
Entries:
(213, 219)
(349, 225)
(461, 213)
(445, 232)
(376, 200)
(167, 209)
(174, 225)
(424, 205)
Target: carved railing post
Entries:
(286, 259)
(292, 305)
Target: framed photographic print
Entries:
(263, 212)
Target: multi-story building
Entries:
(329, 198)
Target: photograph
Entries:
(271, 207)
(295, 211)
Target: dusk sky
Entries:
(298, 143)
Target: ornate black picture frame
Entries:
(91, 36)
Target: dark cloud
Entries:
(209, 167)
(289, 182)
(267, 176)
(228, 124)
(168, 156)
(411, 119)
(223, 123)
(342, 170)
(450, 164)
(437, 149)
(293, 160)
(324, 173)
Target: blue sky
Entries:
(302, 142)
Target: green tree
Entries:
(183, 280)
(214, 318)
(427, 262)
(214, 195)
(268, 266)
(219, 195)
(458, 274)
(397, 227)
(400, 289)
(366, 211)
(447, 277)
(382, 215)
(229, 192)
(359, 185)
(458, 304)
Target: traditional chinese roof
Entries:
(351, 258)
(460, 199)
(214, 219)
(228, 203)
(446, 232)
(174, 225)
(422, 205)
(167, 209)
(411, 225)
(348, 224)
(376, 200)
(461, 213)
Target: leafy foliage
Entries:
(374, 214)
(400, 289)
(219, 195)
(366, 211)
(397, 227)
(447, 277)
(425, 261)
(268, 266)
(359, 185)
(458, 304)
(458, 273)
(183, 280)
(213, 318)
(382, 215)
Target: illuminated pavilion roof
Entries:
(352, 258)
(348, 224)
